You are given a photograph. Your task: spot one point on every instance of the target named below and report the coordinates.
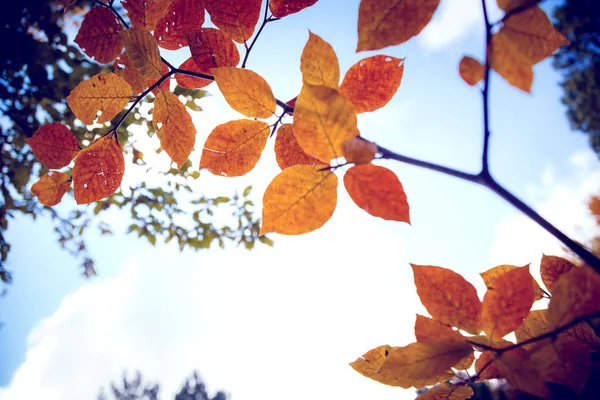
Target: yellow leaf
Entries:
(359, 151)
(576, 294)
(552, 268)
(237, 18)
(299, 200)
(245, 91)
(99, 36)
(448, 297)
(323, 120)
(492, 274)
(287, 150)
(368, 365)
(234, 148)
(427, 329)
(106, 93)
(383, 23)
(51, 187)
(471, 70)
(318, 63)
(174, 127)
(447, 391)
(98, 170)
(142, 50)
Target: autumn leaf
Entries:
(518, 369)
(318, 63)
(471, 70)
(287, 150)
(447, 391)
(165, 85)
(506, 305)
(423, 363)
(142, 50)
(427, 329)
(358, 82)
(383, 23)
(212, 48)
(98, 170)
(51, 188)
(370, 363)
(191, 82)
(299, 200)
(576, 294)
(184, 18)
(174, 127)
(508, 5)
(245, 91)
(378, 191)
(54, 145)
(510, 64)
(125, 69)
(323, 120)
(485, 368)
(490, 276)
(237, 18)
(359, 151)
(144, 14)
(234, 148)
(448, 297)
(552, 268)
(106, 93)
(282, 8)
(99, 36)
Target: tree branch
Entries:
(264, 22)
(485, 93)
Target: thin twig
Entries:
(485, 171)
(264, 22)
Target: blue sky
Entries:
(284, 322)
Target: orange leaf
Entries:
(576, 294)
(174, 127)
(358, 82)
(370, 363)
(282, 8)
(378, 191)
(490, 276)
(107, 93)
(237, 18)
(125, 69)
(211, 48)
(448, 297)
(486, 359)
(510, 64)
(423, 363)
(98, 170)
(383, 23)
(299, 200)
(245, 91)
(471, 70)
(506, 305)
(191, 82)
(99, 36)
(447, 391)
(318, 63)
(323, 120)
(234, 148)
(552, 268)
(184, 17)
(427, 329)
(287, 150)
(54, 145)
(508, 5)
(359, 151)
(165, 84)
(517, 368)
(51, 188)
(142, 50)
(144, 14)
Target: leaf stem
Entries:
(264, 22)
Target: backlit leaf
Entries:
(323, 120)
(165, 84)
(106, 93)
(144, 14)
(212, 48)
(447, 391)
(370, 363)
(234, 148)
(318, 63)
(51, 188)
(174, 127)
(54, 145)
(125, 69)
(245, 91)
(237, 18)
(576, 294)
(191, 82)
(184, 18)
(423, 363)
(506, 305)
(427, 329)
(383, 23)
(471, 70)
(281, 8)
(535, 324)
(490, 276)
(98, 170)
(359, 151)
(99, 36)
(299, 200)
(448, 297)
(358, 82)
(287, 150)
(510, 64)
(508, 5)
(378, 191)
(485, 368)
(142, 50)
(517, 368)
(552, 268)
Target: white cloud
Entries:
(453, 20)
